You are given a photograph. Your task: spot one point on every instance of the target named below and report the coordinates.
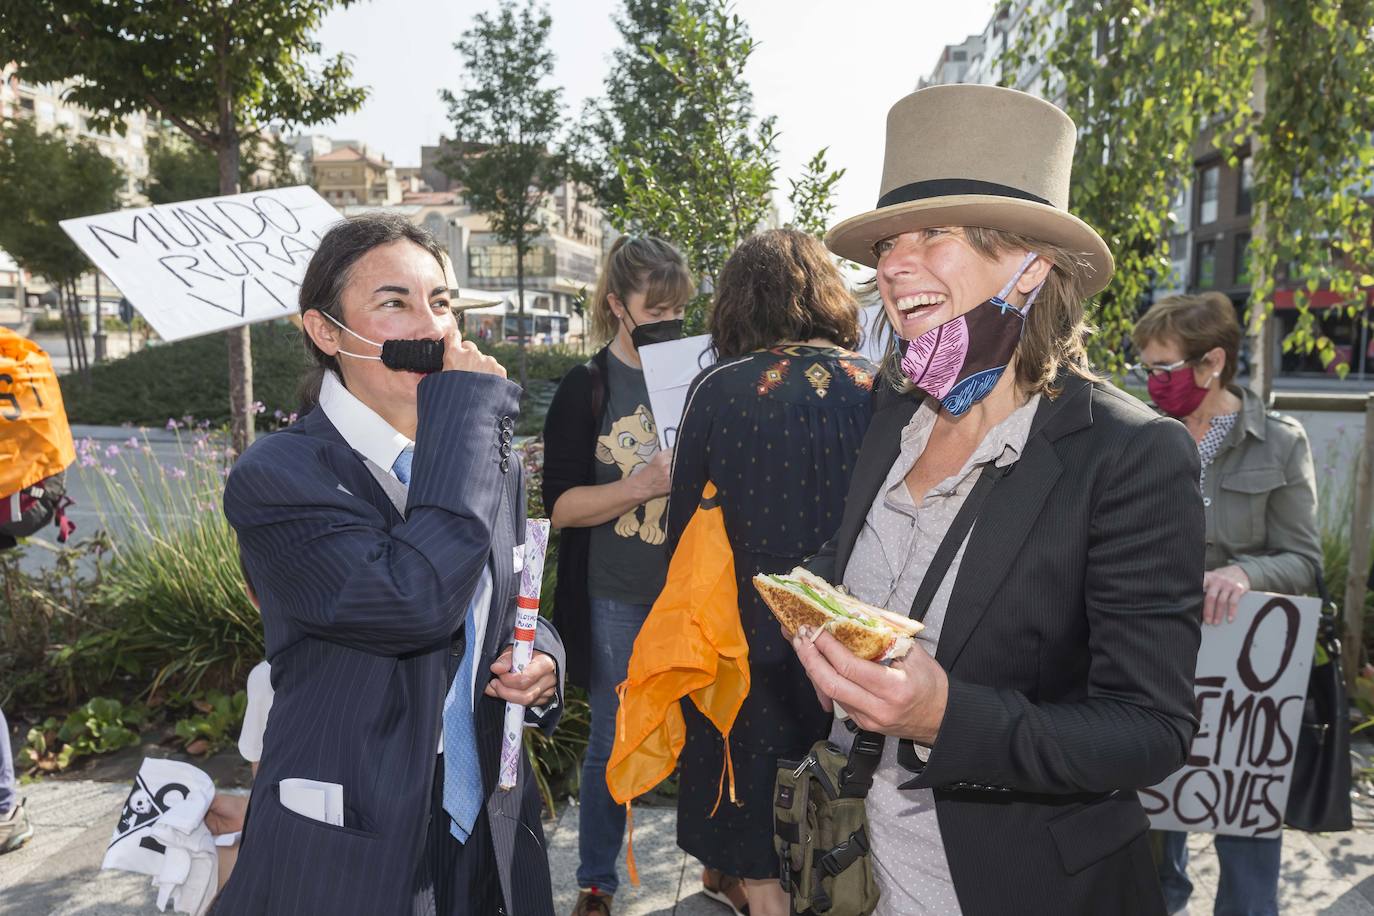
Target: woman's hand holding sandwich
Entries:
(905, 699)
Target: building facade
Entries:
(350, 175)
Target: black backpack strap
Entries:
(954, 538)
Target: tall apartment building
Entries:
(46, 105)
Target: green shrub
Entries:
(186, 378)
(99, 727)
(217, 725)
(172, 578)
(55, 646)
(547, 363)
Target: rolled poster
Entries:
(526, 622)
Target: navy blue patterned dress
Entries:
(778, 432)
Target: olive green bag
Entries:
(821, 829)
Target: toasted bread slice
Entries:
(883, 641)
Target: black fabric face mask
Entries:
(401, 355)
(644, 335)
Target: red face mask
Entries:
(1178, 395)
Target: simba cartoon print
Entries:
(631, 442)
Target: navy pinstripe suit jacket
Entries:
(363, 614)
(1070, 643)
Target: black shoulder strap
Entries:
(954, 538)
(867, 751)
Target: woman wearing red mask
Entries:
(1259, 495)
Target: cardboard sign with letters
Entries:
(1250, 687)
(668, 372)
(205, 265)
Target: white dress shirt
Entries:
(379, 442)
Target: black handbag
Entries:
(1319, 793)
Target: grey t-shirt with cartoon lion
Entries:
(627, 558)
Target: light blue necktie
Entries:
(401, 466)
(462, 770)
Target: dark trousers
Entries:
(452, 878)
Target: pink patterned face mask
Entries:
(959, 362)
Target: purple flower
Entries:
(291, 418)
(111, 451)
(224, 472)
(109, 470)
(203, 424)
(89, 461)
(176, 473)
(257, 407)
(172, 424)
(132, 443)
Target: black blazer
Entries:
(1070, 643)
(363, 615)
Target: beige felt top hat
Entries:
(976, 156)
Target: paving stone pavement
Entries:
(58, 872)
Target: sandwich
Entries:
(803, 599)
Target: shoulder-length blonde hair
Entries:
(1056, 336)
(637, 264)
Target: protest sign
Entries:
(668, 372)
(205, 265)
(1250, 686)
(873, 333)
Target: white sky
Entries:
(828, 70)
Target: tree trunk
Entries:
(61, 289)
(78, 332)
(239, 341)
(520, 292)
(1261, 328)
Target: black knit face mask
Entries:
(400, 355)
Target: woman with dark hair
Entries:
(605, 489)
(382, 535)
(775, 425)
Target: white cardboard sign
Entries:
(668, 372)
(205, 265)
(1250, 687)
(873, 333)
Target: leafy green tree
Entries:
(219, 71)
(45, 178)
(813, 195)
(179, 170)
(1286, 80)
(506, 122)
(641, 101)
(704, 179)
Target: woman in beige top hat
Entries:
(1041, 694)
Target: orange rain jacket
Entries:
(691, 645)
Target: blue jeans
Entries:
(1249, 883)
(8, 786)
(601, 822)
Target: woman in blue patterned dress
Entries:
(776, 424)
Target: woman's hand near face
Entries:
(463, 356)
